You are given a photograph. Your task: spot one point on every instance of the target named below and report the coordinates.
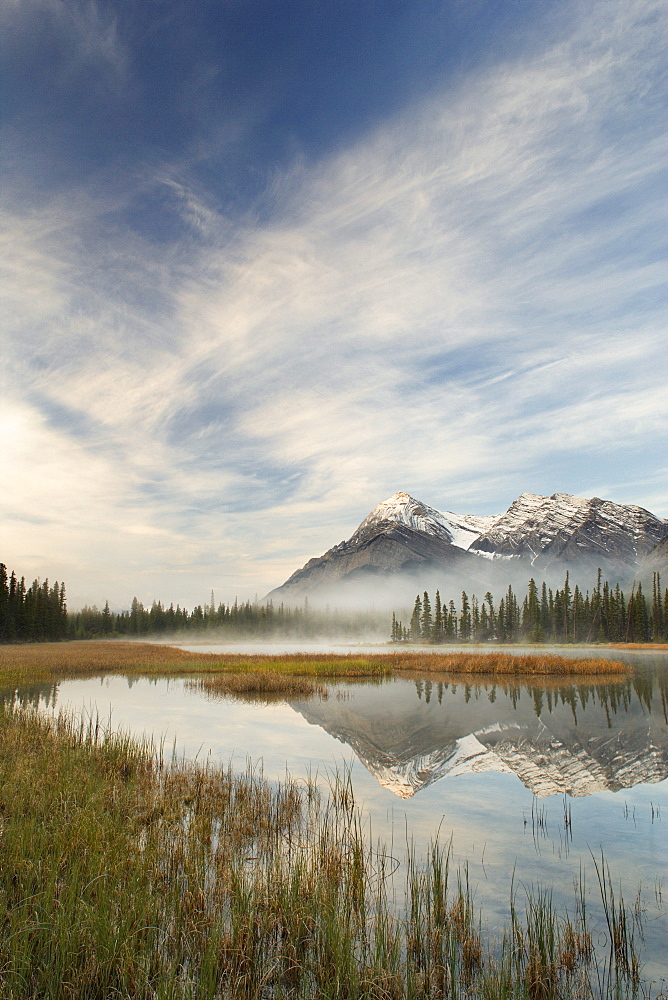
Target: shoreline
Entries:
(51, 662)
(124, 872)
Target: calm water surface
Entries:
(527, 780)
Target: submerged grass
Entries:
(128, 875)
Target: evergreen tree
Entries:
(465, 619)
(566, 609)
(438, 628)
(475, 618)
(544, 612)
(491, 617)
(426, 622)
(416, 623)
(484, 623)
(531, 614)
(37, 613)
(4, 604)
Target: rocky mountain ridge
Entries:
(537, 536)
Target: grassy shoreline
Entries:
(128, 876)
(48, 662)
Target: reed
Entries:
(51, 661)
(127, 874)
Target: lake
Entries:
(527, 780)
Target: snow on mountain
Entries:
(562, 526)
(458, 529)
(402, 535)
(466, 755)
(407, 747)
(531, 525)
(545, 766)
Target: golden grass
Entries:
(98, 657)
(639, 645)
(258, 686)
(237, 673)
(242, 673)
(533, 664)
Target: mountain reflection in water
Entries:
(558, 737)
(574, 738)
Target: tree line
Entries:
(31, 614)
(238, 620)
(39, 613)
(542, 615)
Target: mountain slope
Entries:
(654, 562)
(404, 539)
(566, 528)
(403, 509)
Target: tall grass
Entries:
(29, 663)
(21, 664)
(258, 686)
(127, 874)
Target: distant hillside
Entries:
(655, 562)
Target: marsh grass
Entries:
(40, 662)
(128, 874)
(258, 686)
(45, 662)
(508, 664)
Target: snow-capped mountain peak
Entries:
(554, 527)
(537, 535)
(460, 530)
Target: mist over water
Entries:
(381, 646)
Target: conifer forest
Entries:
(39, 613)
(541, 615)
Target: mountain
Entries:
(406, 545)
(564, 528)
(410, 735)
(655, 561)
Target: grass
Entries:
(259, 686)
(48, 662)
(127, 875)
(524, 665)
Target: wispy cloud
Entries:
(88, 31)
(446, 306)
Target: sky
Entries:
(267, 262)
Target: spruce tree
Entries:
(416, 624)
(531, 616)
(438, 619)
(4, 603)
(475, 618)
(426, 619)
(491, 615)
(465, 619)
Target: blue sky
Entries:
(267, 263)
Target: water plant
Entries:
(127, 873)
